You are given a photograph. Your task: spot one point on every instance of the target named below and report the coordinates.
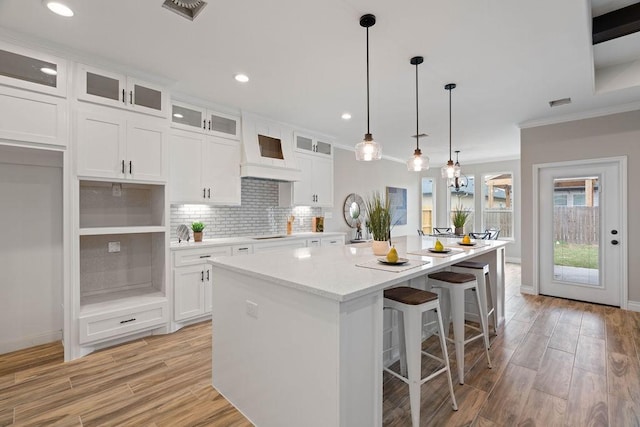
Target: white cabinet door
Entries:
(185, 167)
(322, 182)
(103, 87)
(188, 290)
(303, 189)
(100, 145)
(31, 117)
(223, 125)
(146, 97)
(221, 171)
(146, 150)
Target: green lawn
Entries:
(574, 255)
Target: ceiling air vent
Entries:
(186, 8)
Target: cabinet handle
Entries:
(202, 276)
(204, 124)
(208, 275)
(209, 124)
(130, 167)
(205, 256)
(243, 249)
(204, 193)
(123, 99)
(127, 321)
(209, 192)
(131, 97)
(123, 166)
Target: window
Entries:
(497, 212)
(427, 205)
(560, 200)
(462, 193)
(579, 199)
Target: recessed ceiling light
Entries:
(49, 71)
(242, 78)
(178, 116)
(59, 8)
(346, 116)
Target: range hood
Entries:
(267, 150)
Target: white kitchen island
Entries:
(297, 334)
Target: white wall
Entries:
(351, 176)
(607, 136)
(513, 250)
(31, 247)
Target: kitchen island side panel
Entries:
(279, 364)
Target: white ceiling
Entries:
(306, 61)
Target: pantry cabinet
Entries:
(121, 91)
(204, 169)
(115, 144)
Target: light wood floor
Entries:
(556, 362)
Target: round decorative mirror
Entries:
(353, 210)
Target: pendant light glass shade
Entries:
(417, 162)
(368, 149)
(450, 170)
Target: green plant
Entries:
(378, 217)
(197, 227)
(460, 216)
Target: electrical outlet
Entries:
(114, 246)
(116, 190)
(252, 309)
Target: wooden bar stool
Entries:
(412, 303)
(456, 284)
(481, 271)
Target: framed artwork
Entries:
(398, 202)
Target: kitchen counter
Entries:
(243, 240)
(298, 333)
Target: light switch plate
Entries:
(116, 190)
(114, 247)
(252, 309)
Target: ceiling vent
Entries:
(186, 8)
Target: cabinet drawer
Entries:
(333, 241)
(242, 249)
(197, 256)
(115, 324)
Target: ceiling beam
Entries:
(616, 24)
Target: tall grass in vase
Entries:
(379, 222)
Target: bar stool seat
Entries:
(456, 284)
(411, 303)
(481, 271)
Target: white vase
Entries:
(380, 247)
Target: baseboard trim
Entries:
(26, 342)
(513, 260)
(633, 305)
(527, 290)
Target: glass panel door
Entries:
(187, 118)
(497, 203)
(146, 97)
(103, 86)
(576, 229)
(323, 147)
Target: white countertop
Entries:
(332, 271)
(226, 241)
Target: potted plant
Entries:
(459, 218)
(197, 228)
(379, 222)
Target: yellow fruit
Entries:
(392, 255)
(466, 239)
(438, 246)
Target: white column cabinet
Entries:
(204, 169)
(114, 144)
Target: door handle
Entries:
(209, 193)
(123, 98)
(123, 166)
(614, 232)
(204, 193)
(130, 167)
(614, 242)
(204, 124)
(202, 276)
(131, 97)
(208, 275)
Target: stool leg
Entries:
(445, 356)
(457, 309)
(485, 329)
(402, 343)
(445, 297)
(487, 277)
(413, 341)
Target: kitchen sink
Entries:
(278, 236)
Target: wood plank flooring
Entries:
(555, 362)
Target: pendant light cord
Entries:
(449, 124)
(417, 114)
(368, 131)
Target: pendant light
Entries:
(417, 162)
(368, 149)
(450, 170)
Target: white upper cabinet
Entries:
(312, 144)
(118, 90)
(315, 188)
(113, 144)
(32, 70)
(204, 169)
(202, 120)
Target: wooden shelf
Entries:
(101, 231)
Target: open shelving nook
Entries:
(122, 242)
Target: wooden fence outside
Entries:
(499, 219)
(576, 224)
